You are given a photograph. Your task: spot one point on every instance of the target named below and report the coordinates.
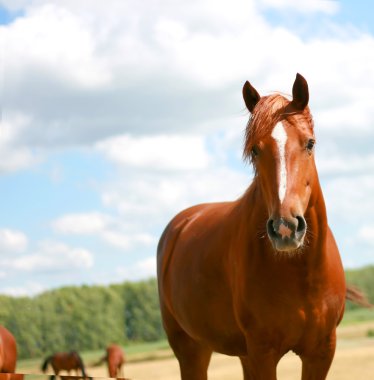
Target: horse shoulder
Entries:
(336, 275)
(189, 227)
(335, 265)
(193, 265)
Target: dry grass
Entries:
(351, 362)
(354, 359)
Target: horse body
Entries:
(64, 361)
(225, 287)
(8, 351)
(115, 359)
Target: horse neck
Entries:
(316, 215)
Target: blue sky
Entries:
(310, 25)
(116, 117)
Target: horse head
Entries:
(280, 143)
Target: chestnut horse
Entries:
(260, 276)
(64, 361)
(115, 359)
(8, 356)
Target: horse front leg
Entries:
(260, 364)
(192, 357)
(315, 365)
(193, 360)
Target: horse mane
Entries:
(267, 113)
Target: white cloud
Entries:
(13, 156)
(52, 257)
(12, 241)
(30, 289)
(127, 241)
(147, 199)
(82, 223)
(367, 234)
(165, 152)
(349, 199)
(57, 41)
(171, 67)
(340, 164)
(139, 270)
(110, 229)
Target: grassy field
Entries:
(354, 357)
(357, 316)
(134, 353)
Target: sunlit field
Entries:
(354, 357)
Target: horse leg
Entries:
(247, 369)
(112, 370)
(260, 363)
(192, 357)
(315, 366)
(56, 371)
(315, 369)
(259, 367)
(120, 370)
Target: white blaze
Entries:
(280, 136)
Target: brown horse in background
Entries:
(8, 351)
(65, 361)
(260, 276)
(8, 356)
(115, 359)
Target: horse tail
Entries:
(358, 297)
(46, 362)
(81, 365)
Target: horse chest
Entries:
(277, 305)
(286, 318)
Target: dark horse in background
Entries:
(8, 356)
(114, 359)
(65, 361)
(260, 276)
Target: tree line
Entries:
(83, 318)
(90, 317)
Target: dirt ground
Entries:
(354, 359)
(355, 362)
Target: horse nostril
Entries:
(270, 229)
(301, 225)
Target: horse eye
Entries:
(255, 151)
(310, 144)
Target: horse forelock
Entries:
(267, 113)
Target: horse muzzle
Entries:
(286, 234)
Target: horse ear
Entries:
(250, 96)
(300, 93)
